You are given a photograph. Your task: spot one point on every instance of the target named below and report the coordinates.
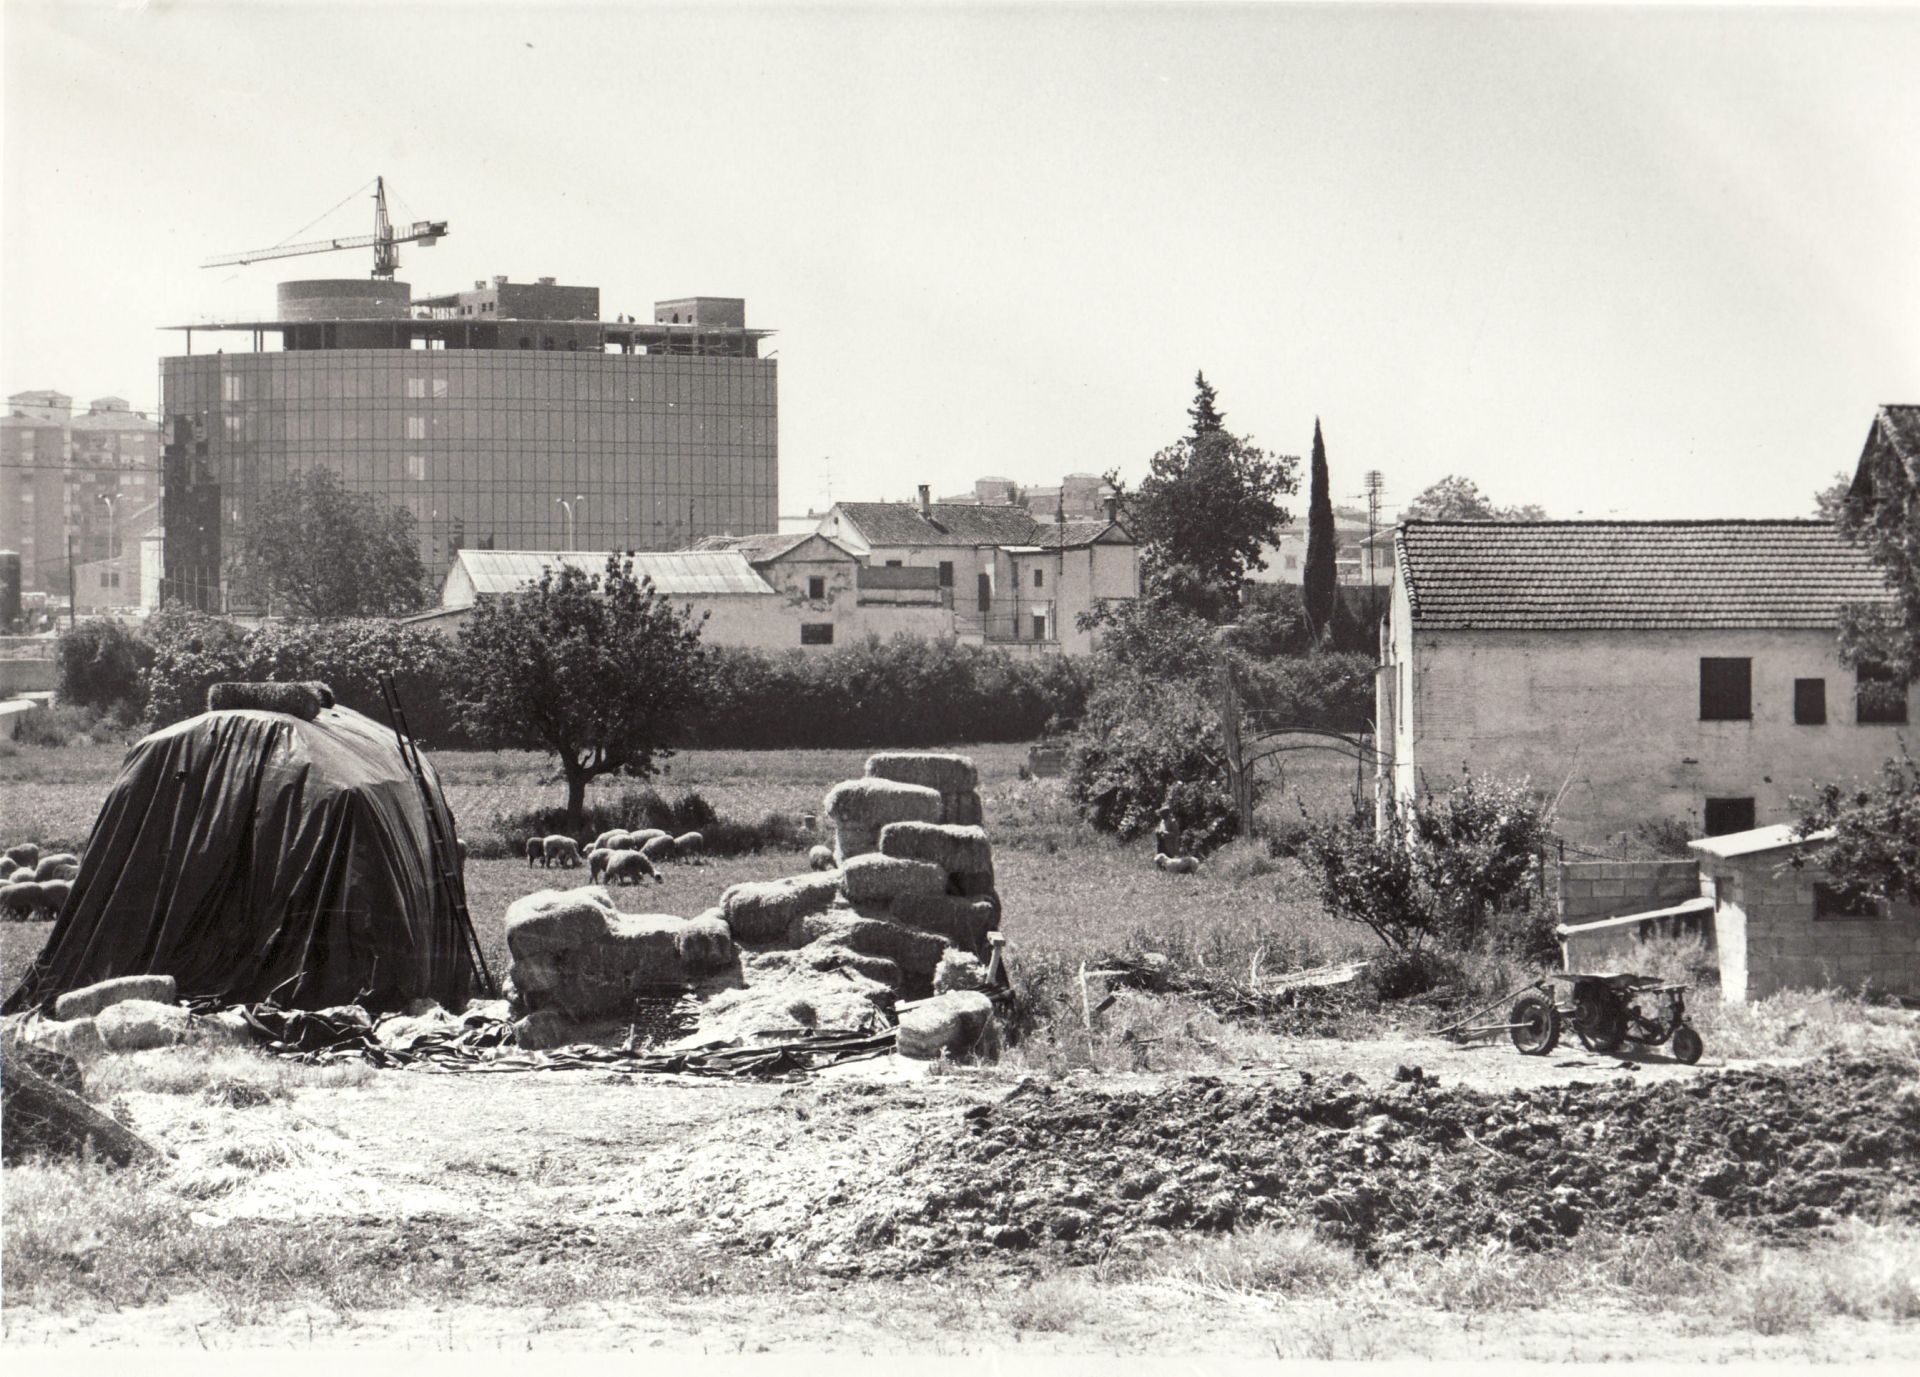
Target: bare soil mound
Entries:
(1081, 1171)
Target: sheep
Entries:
(601, 842)
(1177, 865)
(597, 862)
(565, 850)
(53, 896)
(536, 851)
(628, 867)
(820, 857)
(688, 845)
(27, 854)
(21, 900)
(658, 848)
(59, 865)
(636, 840)
(7, 867)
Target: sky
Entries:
(1615, 262)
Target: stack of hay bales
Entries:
(951, 776)
(859, 808)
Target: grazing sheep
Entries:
(26, 854)
(54, 866)
(1177, 865)
(688, 845)
(7, 867)
(597, 862)
(657, 848)
(820, 857)
(565, 850)
(629, 868)
(21, 900)
(600, 842)
(53, 896)
(536, 851)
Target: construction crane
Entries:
(426, 233)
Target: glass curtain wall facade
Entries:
(479, 444)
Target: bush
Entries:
(1144, 744)
(1445, 870)
(640, 807)
(1328, 689)
(102, 664)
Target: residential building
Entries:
(762, 594)
(507, 417)
(1082, 496)
(1636, 672)
(1013, 578)
(1286, 557)
(82, 488)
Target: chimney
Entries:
(1113, 510)
(926, 501)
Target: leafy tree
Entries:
(314, 547)
(1208, 419)
(1210, 503)
(598, 669)
(1875, 850)
(1830, 503)
(1459, 499)
(1320, 584)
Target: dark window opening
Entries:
(1880, 695)
(1810, 702)
(1830, 901)
(816, 633)
(984, 592)
(1726, 690)
(1039, 578)
(946, 573)
(893, 564)
(816, 586)
(1726, 815)
(1039, 627)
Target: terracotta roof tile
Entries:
(1576, 575)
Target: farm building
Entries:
(1636, 672)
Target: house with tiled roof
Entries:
(1013, 578)
(1636, 672)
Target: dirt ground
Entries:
(886, 1206)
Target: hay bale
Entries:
(302, 700)
(876, 879)
(957, 1024)
(706, 944)
(959, 970)
(25, 854)
(820, 857)
(762, 912)
(574, 953)
(859, 808)
(133, 1025)
(58, 865)
(22, 900)
(915, 952)
(963, 922)
(86, 1002)
(951, 848)
(948, 774)
(962, 809)
(976, 884)
(77, 1038)
(828, 955)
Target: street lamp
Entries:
(568, 508)
(109, 499)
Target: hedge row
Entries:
(902, 692)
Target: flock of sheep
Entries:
(618, 857)
(32, 883)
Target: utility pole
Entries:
(73, 586)
(1376, 488)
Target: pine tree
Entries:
(1207, 418)
(1321, 578)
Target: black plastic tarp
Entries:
(252, 855)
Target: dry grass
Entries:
(235, 1076)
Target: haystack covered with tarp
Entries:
(255, 855)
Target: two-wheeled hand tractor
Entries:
(1604, 1011)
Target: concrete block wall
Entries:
(1788, 948)
(1611, 889)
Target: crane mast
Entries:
(383, 241)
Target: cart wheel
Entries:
(1687, 1046)
(1537, 1025)
(1600, 1023)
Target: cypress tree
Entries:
(1208, 419)
(1320, 589)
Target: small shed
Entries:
(1780, 924)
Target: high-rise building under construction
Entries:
(506, 417)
